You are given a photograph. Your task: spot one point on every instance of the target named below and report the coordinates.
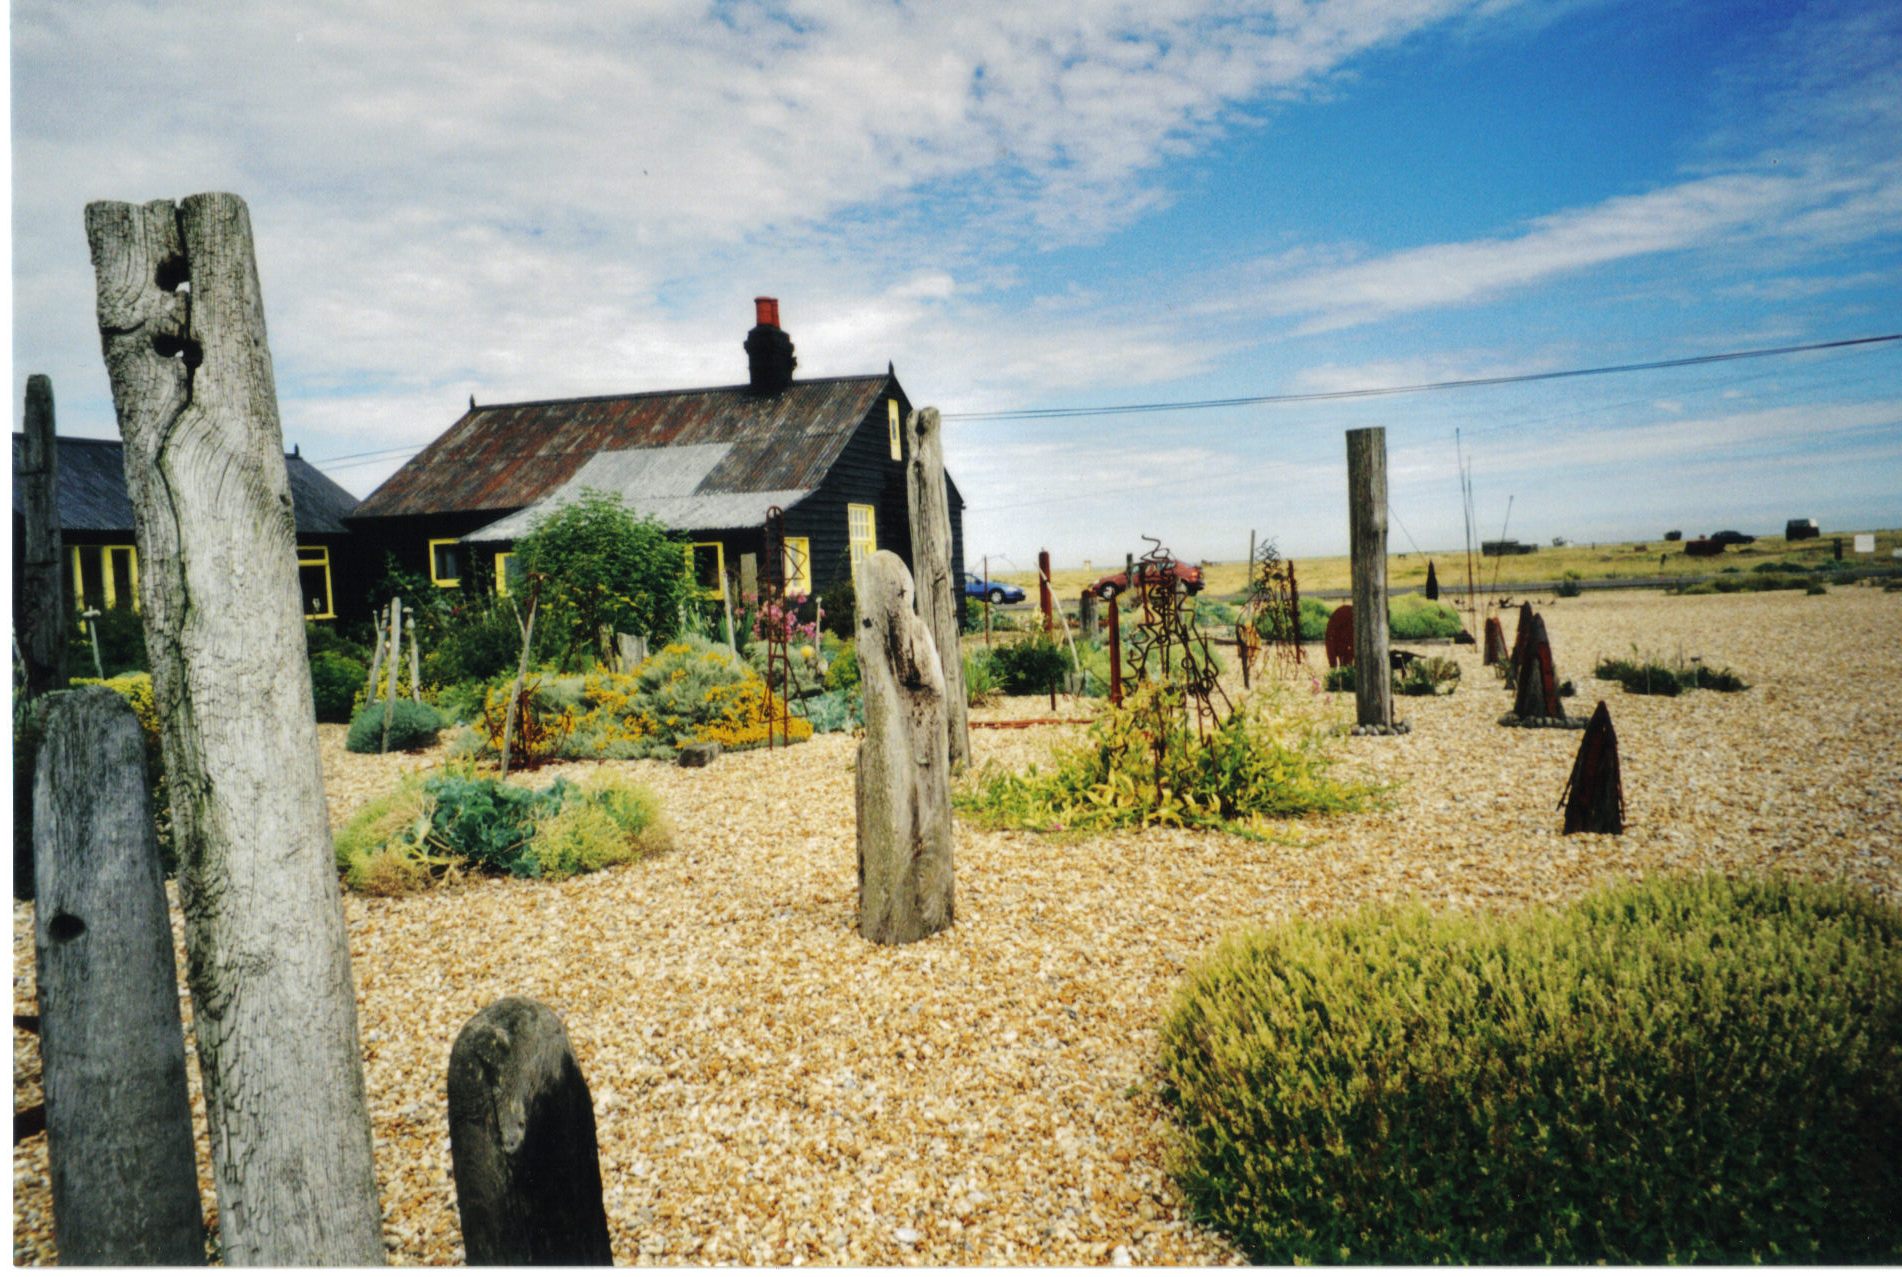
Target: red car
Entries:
(1187, 575)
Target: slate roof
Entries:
(769, 449)
(93, 498)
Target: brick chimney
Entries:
(769, 351)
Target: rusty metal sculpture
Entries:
(1339, 639)
(775, 624)
(1169, 649)
(1594, 796)
(1272, 612)
(1495, 642)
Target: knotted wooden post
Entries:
(904, 799)
(522, 1141)
(112, 1054)
(1367, 543)
(275, 1012)
(41, 623)
(1046, 601)
(931, 560)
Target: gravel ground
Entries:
(772, 1090)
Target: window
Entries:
(898, 445)
(445, 562)
(313, 581)
(104, 577)
(798, 565)
(706, 566)
(861, 533)
(508, 576)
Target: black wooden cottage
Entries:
(100, 556)
(707, 464)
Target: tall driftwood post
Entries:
(376, 662)
(112, 1054)
(522, 1141)
(396, 670)
(904, 796)
(1367, 544)
(1046, 602)
(41, 623)
(275, 1012)
(931, 560)
(415, 663)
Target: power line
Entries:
(1367, 392)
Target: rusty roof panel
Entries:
(507, 456)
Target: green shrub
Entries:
(435, 825)
(1701, 587)
(1428, 676)
(1339, 678)
(842, 671)
(1313, 621)
(1782, 565)
(1816, 587)
(833, 711)
(1570, 586)
(413, 725)
(1415, 616)
(335, 680)
(1269, 760)
(840, 604)
(981, 683)
(121, 634)
(330, 636)
(1670, 1072)
(1651, 677)
(1035, 663)
(605, 570)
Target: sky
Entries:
(1047, 206)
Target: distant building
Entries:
(1498, 548)
(1801, 530)
(706, 463)
(100, 552)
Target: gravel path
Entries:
(771, 1090)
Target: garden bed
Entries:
(769, 1088)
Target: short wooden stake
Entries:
(415, 664)
(112, 1054)
(1116, 652)
(522, 1142)
(904, 798)
(1046, 602)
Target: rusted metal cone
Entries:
(1535, 684)
(1495, 641)
(1432, 581)
(1339, 639)
(1594, 797)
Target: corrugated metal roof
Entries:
(508, 456)
(93, 498)
(664, 484)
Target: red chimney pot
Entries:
(766, 310)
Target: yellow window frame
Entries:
(446, 582)
(898, 444)
(318, 556)
(719, 559)
(110, 586)
(502, 559)
(796, 565)
(862, 546)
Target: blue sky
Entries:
(1101, 203)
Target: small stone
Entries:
(699, 753)
(1119, 1258)
(905, 1236)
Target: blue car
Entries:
(995, 591)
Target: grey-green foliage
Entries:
(413, 725)
(1673, 1071)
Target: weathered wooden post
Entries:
(274, 1006)
(1367, 543)
(1116, 653)
(1086, 614)
(522, 1141)
(41, 623)
(396, 668)
(1046, 601)
(1594, 795)
(112, 1054)
(904, 798)
(415, 663)
(376, 662)
(931, 559)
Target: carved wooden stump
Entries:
(1594, 797)
(904, 799)
(1339, 640)
(522, 1141)
(112, 1054)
